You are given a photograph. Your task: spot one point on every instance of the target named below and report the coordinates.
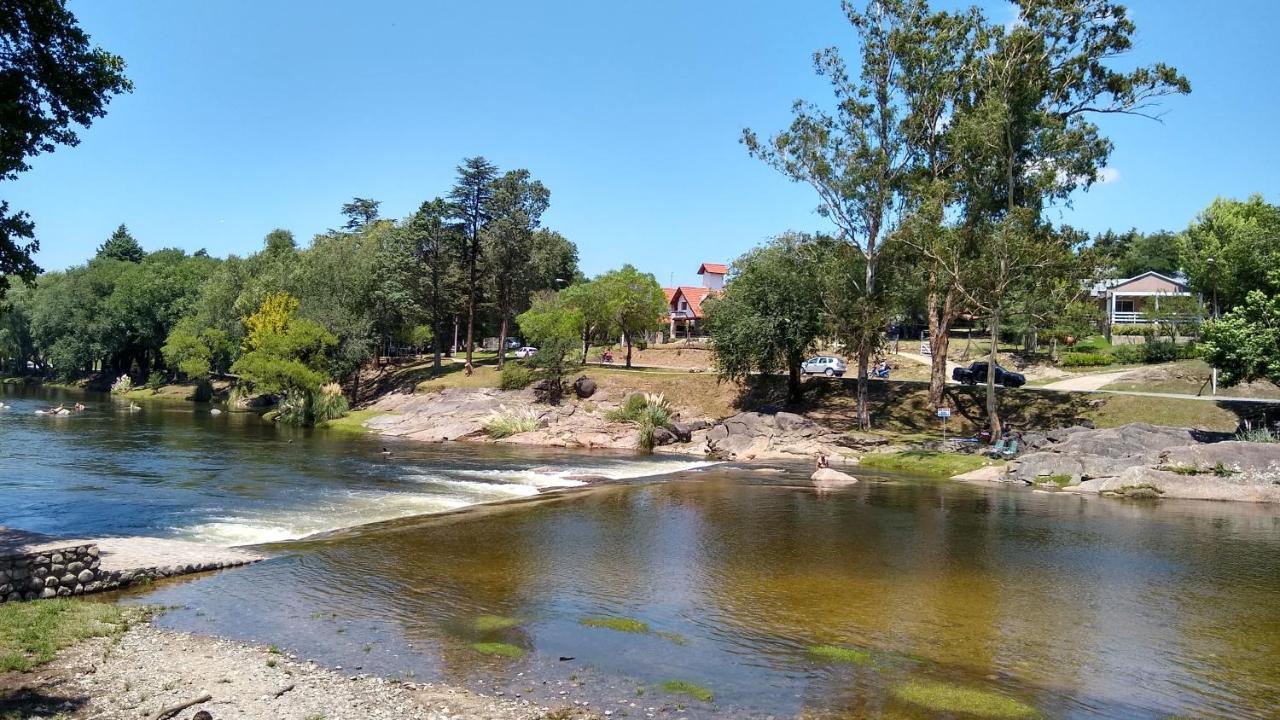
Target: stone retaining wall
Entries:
(76, 570)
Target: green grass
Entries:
(684, 687)
(620, 624)
(497, 648)
(941, 697)
(1059, 480)
(353, 421)
(924, 462)
(31, 633)
(837, 654)
(507, 423)
(493, 623)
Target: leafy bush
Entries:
(505, 423)
(1159, 351)
(122, 385)
(1085, 359)
(1130, 330)
(649, 411)
(1188, 351)
(155, 381)
(308, 408)
(515, 377)
(1258, 435)
(1127, 354)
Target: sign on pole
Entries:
(944, 413)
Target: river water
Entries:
(737, 580)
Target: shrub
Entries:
(1188, 351)
(122, 385)
(1127, 354)
(1159, 351)
(155, 381)
(505, 423)
(515, 377)
(1258, 435)
(308, 408)
(1085, 359)
(649, 411)
(1129, 330)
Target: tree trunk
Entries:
(793, 382)
(864, 412)
(502, 341)
(940, 317)
(435, 345)
(627, 337)
(993, 409)
(586, 346)
(471, 308)
(355, 388)
(865, 342)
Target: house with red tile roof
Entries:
(685, 314)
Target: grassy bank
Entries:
(31, 633)
(923, 462)
(353, 421)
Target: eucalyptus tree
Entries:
(516, 205)
(1026, 139)
(856, 158)
(53, 80)
(469, 201)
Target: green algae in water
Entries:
(493, 623)
(621, 624)
(944, 697)
(496, 648)
(676, 638)
(684, 687)
(837, 654)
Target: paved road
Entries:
(1088, 383)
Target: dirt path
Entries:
(1088, 383)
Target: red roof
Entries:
(715, 268)
(670, 293)
(692, 295)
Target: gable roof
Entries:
(692, 295)
(714, 268)
(1106, 286)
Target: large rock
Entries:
(1033, 467)
(1132, 440)
(452, 414)
(1145, 482)
(584, 387)
(757, 436)
(832, 478)
(1250, 462)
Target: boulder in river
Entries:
(829, 477)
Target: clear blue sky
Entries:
(253, 115)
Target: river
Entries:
(878, 601)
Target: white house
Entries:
(1125, 301)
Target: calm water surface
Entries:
(1077, 607)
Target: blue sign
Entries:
(944, 412)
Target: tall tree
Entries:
(51, 80)
(769, 317)
(1231, 249)
(359, 213)
(432, 276)
(516, 208)
(855, 159)
(121, 246)
(469, 199)
(1027, 138)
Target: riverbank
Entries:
(144, 669)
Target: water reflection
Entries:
(1080, 608)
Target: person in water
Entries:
(822, 462)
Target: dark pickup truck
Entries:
(977, 373)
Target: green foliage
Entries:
(1130, 330)
(634, 303)
(196, 352)
(493, 623)
(769, 317)
(1132, 253)
(923, 462)
(31, 633)
(1245, 343)
(203, 392)
(1233, 249)
(550, 318)
(1159, 351)
(1127, 354)
(550, 364)
(121, 246)
(284, 352)
(54, 80)
(515, 377)
(1261, 434)
(1079, 319)
(155, 381)
(648, 411)
(1084, 359)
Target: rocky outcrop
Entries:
(1142, 460)
(759, 436)
(453, 414)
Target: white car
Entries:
(824, 365)
(526, 351)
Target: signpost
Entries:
(944, 413)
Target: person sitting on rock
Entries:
(822, 462)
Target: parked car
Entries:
(824, 365)
(977, 373)
(526, 351)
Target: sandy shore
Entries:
(148, 669)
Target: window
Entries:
(1124, 306)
